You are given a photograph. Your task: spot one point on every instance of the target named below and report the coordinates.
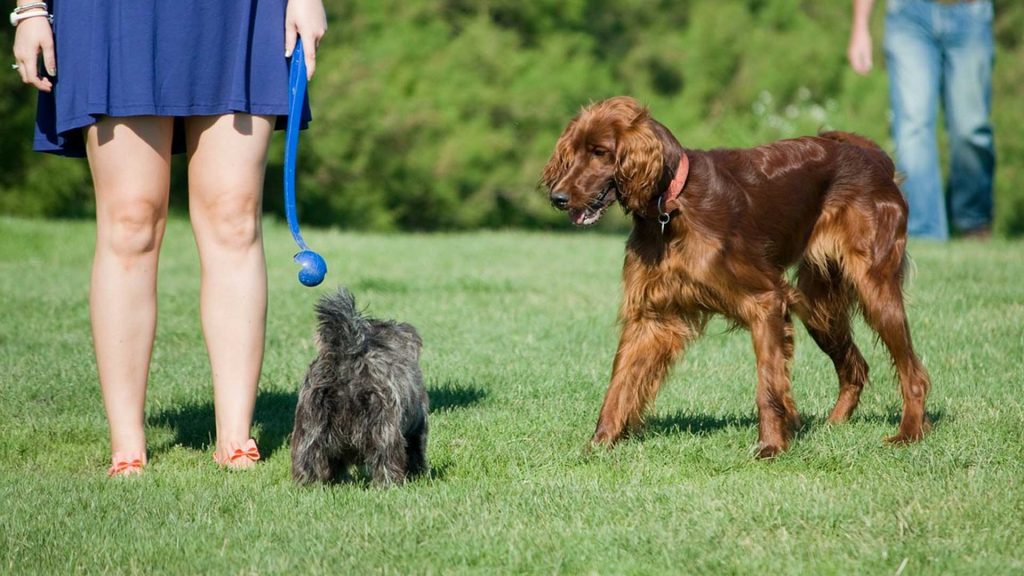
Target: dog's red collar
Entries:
(677, 183)
(668, 202)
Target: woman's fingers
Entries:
(290, 34)
(309, 47)
(49, 57)
(29, 70)
(32, 37)
(305, 19)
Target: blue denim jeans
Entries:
(936, 52)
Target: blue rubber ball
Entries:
(313, 268)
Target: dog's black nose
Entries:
(559, 199)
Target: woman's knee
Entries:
(231, 220)
(132, 229)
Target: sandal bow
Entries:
(126, 464)
(247, 450)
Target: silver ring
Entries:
(15, 66)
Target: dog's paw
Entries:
(604, 439)
(908, 434)
(767, 450)
(905, 437)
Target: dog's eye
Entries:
(598, 152)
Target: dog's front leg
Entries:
(648, 345)
(773, 345)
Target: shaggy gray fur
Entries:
(363, 400)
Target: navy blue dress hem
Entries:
(124, 58)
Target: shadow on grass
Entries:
(193, 424)
(360, 477)
(451, 395)
(705, 424)
(695, 424)
(891, 417)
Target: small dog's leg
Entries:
(773, 346)
(310, 433)
(310, 464)
(309, 454)
(646, 350)
(416, 450)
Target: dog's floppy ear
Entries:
(562, 157)
(638, 162)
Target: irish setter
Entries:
(715, 232)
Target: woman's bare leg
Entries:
(130, 163)
(227, 160)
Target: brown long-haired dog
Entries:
(715, 231)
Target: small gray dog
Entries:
(363, 400)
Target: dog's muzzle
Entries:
(595, 209)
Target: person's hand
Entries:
(859, 51)
(30, 38)
(305, 19)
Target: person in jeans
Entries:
(937, 50)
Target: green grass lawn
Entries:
(519, 331)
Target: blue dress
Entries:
(165, 58)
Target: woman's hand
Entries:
(33, 36)
(858, 52)
(305, 19)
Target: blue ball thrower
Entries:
(314, 268)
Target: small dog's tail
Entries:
(342, 328)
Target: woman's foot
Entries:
(237, 455)
(126, 464)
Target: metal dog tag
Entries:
(663, 217)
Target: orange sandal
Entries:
(126, 464)
(247, 450)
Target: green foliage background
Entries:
(439, 114)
